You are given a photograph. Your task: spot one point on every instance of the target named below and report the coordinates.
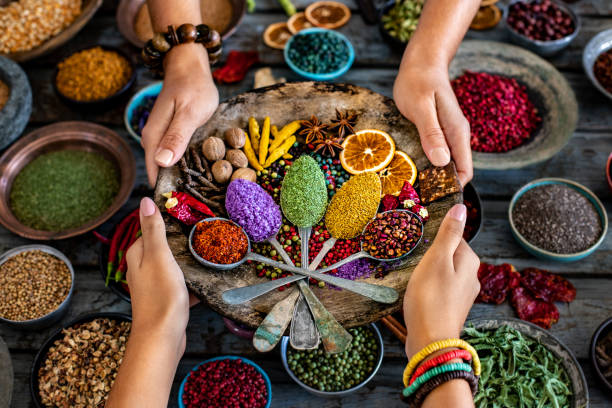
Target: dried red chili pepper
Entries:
(236, 66)
(186, 208)
(495, 282)
(220, 242)
(533, 310)
(547, 286)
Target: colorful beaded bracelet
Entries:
(417, 399)
(437, 346)
(439, 360)
(408, 391)
(155, 49)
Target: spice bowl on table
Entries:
(36, 286)
(600, 353)
(139, 108)
(398, 21)
(557, 219)
(219, 243)
(15, 101)
(597, 61)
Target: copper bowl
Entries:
(82, 136)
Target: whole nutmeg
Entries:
(246, 174)
(222, 171)
(213, 149)
(235, 137)
(237, 158)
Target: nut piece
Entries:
(235, 137)
(237, 158)
(246, 174)
(222, 171)
(213, 149)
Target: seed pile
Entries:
(402, 19)
(220, 242)
(500, 113)
(92, 74)
(4, 94)
(303, 194)
(557, 218)
(392, 234)
(540, 20)
(28, 23)
(32, 284)
(319, 53)
(81, 366)
(225, 383)
(336, 372)
(63, 189)
(603, 70)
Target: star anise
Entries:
(344, 122)
(313, 129)
(328, 144)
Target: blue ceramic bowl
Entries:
(320, 77)
(245, 360)
(551, 256)
(150, 90)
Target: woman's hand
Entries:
(423, 94)
(188, 99)
(443, 286)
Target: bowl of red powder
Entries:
(226, 381)
(218, 243)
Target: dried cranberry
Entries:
(540, 20)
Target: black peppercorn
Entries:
(187, 33)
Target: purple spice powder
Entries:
(359, 268)
(249, 206)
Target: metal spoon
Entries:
(300, 336)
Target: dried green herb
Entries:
(63, 190)
(303, 193)
(517, 371)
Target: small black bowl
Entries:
(602, 330)
(394, 42)
(470, 194)
(98, 103)
(42, 353)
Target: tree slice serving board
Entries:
(285, 103)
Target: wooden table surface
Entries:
(583, 160)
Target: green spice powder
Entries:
(62, 190)
(303, 193)
(353, 206)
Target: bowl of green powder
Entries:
(63, 180)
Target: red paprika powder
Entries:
(220, 242)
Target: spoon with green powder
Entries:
(350, 210)
(303, 201)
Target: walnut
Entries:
(222, 171)
(235, 137)
(213, 149)
(237, 158)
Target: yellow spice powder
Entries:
(92, 74)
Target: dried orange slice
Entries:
(328, 14)
(277, 35)
(401, 169)
(367, 150)
(298, 22)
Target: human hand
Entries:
(160, 302)
(188, 99)
(443, 286)
(423, 94)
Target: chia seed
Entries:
(557, 218)
(319, 53)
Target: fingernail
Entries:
(164, 157)
(458, 212)
(147, 207)
(439, 156)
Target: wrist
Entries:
(183, 58)
(425, 57)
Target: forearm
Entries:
(165, 13)
(441, 28)
(454, 393)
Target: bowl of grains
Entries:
(36, 285)
(94, 76)
(15, 101)
(597, 61)
(64, 179)
(600, 352)
(93, 343)
(139, 108)
(557, 219)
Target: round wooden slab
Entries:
(285, 103)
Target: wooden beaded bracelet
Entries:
(417, 399)
(439, 360)
(155, 49)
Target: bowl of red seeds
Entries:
(226, 381)
(597, 61)
(542, 26)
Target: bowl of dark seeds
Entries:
(557, 219)
(600, 352)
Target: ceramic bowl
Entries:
(128, 9)
(15, 114)
(470, 194)
(544, 48)
(609, 171)
(604, 328)
(394, 42)
(83, 136)
(42, 353)
(244, 360)
(150, 90)
(212, 265)
(334, 394)
(546, 87)
(548, 255)
(320, 77)
(107, 102)
(54, 316)
(602, 42)
(579, 387)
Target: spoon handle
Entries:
(274, 324)
(327, 246)
(350, 258)
(303, 334)
(281, 251)
(243, 294)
